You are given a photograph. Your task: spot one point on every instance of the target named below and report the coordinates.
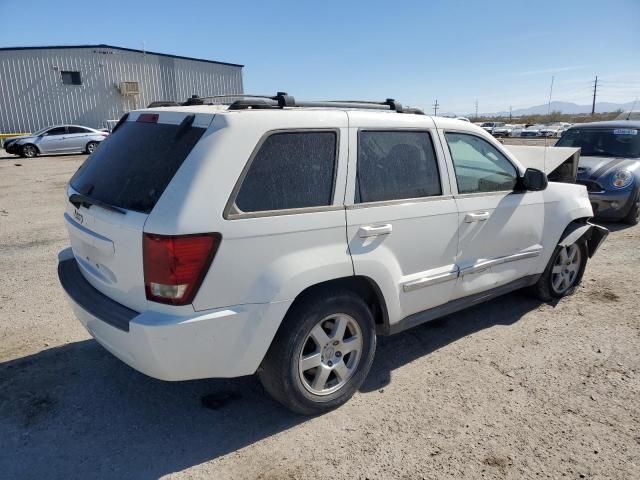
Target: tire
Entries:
(91, 147)
(328, 377)
(633, 217)
(548, 286)
(29, 151)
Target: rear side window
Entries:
(290, 170)
(78, 130)
(393, 165)
(135, 164)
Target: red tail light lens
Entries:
(148, 117)
(174, 266)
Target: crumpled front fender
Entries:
(592, 233)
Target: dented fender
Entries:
(594, 235)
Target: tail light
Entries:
(174, 266)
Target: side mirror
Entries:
(533, 180)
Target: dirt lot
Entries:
(510, 389)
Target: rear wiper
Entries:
(78, 199)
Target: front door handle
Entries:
(476, 217)
(374, 230)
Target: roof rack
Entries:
(283, 99)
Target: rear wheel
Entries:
(91, 147)
(29, 151)
(563, 273)
(321, 354)
(633, 217)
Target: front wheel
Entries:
(29, 151)
(563, 273)
(322, 353)
(633, 217)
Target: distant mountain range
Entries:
(566, 107)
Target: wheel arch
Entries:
(581, 228)
(33, 145)
(359, 285)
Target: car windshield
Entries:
(40, 132)
(603, 142)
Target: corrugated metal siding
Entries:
(33, 96)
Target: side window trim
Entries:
(232, 211)
(454, 177)
(440, 162)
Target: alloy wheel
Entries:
(330, 354)
(566, 269)
(29, 151)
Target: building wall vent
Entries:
(129, 89)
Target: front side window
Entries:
(290, 170)
(56, 131)
(479, 166)
(394, 165)
(71, 78)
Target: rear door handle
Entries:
(476, 217)
(374, 230)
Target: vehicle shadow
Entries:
(77, 412)
(7, 156)
(395, 351)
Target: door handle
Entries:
(374, 230)
(476, 217)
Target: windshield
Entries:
(40, 132)
(603, 142)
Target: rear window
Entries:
(135, 164)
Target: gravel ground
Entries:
(509, 389)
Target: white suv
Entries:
(280, 237)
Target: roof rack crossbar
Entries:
(284, 100)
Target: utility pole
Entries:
(510, 114)
(476, 109)
(435, 108)
(595, 89)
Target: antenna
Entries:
(544, 157)
(632, 108)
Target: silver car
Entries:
(57, 139)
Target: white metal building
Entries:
(91, 84)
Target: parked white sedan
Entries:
(57, 139)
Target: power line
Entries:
(436, 106)
(476, 109)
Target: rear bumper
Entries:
(224, 342)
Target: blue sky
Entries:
(499, 52)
